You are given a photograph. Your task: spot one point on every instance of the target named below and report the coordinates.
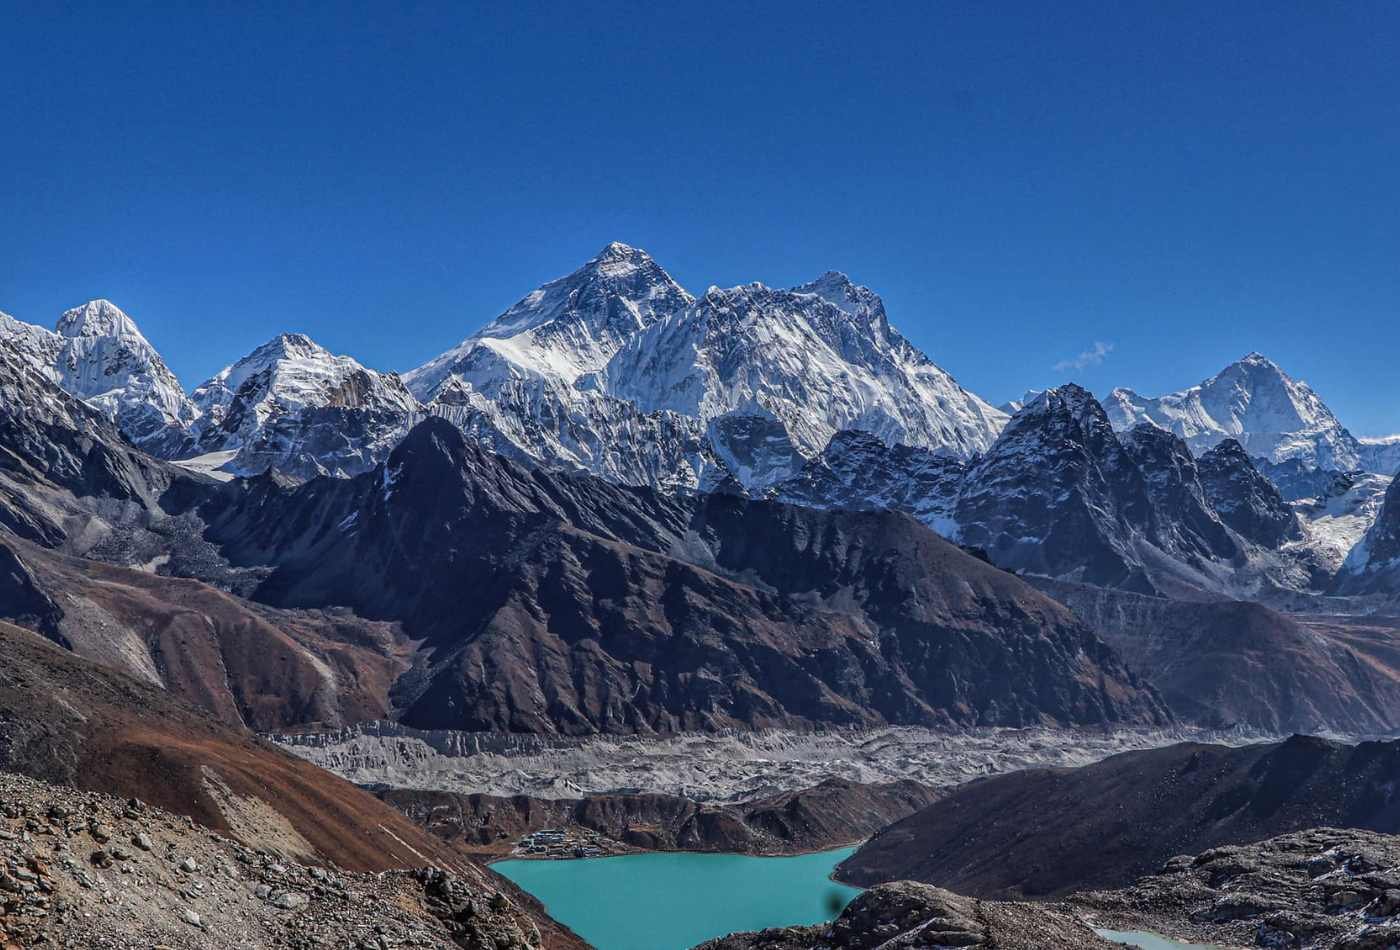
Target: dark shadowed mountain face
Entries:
(1058, 495)
(1234, 663)
(54, 447)
(565, 604)
(1244, 498)
(542, 603)
(1182, 519)
(1046, 832)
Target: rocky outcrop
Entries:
(25, 602)
(1058, 495)
(1046, 832)
(1245, 499)
(908, 915)
(1321, 888)
(858, 471)
(1183, 519)
(1374, 564)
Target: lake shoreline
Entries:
(675, 900)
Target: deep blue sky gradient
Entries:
(1184, 181)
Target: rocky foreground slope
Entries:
(908, 915)
(1321, 889)
(94, 732)
(82, 869)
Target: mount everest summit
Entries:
(806, 394)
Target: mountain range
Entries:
(627, 515)
(808, 395)
(628, 415)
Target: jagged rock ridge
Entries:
(598, 608)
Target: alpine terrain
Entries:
(634, 569)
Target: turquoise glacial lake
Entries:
(672, 901)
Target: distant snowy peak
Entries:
(820, 358)
(1253, 401)
(1013, 406)
(563, 330)
(98, 318)
(292, 372)
(750, 382)
(293, 406)
(286, 375)
(98, 354)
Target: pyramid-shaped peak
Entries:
(1259, 360)
(620, 260)
(434, 451)
(616, 250)
(290, 345)
(96, 318)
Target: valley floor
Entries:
(733, 767)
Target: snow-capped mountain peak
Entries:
(820, 357)
(98, 354)
(1254, 401)
(563, 330)
(97, 318)
(291, 372)
(293, 405)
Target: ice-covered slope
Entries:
(98, 354)
(820, 358)
(1373, 564)
(1253, 401)
(1381, 454)
(1336, 520)
(568, 327)
(295, 406)
(617, 370)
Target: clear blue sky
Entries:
(1182, 181)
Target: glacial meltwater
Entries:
(672, 901)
